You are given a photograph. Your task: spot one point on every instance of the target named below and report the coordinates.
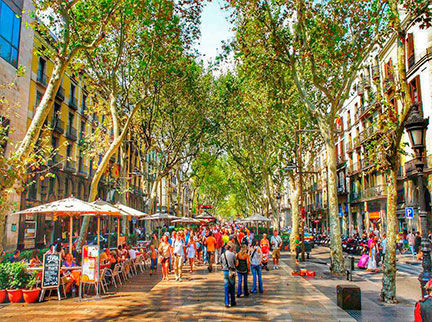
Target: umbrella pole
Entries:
(118, 232)
(70, 233)
(98, 231)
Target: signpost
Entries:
(90, 268)
(51, 274)
(409, 212)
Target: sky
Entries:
(215, 28)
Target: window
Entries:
(69, 151)
(41, 76)
(9, 34)
(415, 92)
(410, 50)
(82, 132)
(71, 119)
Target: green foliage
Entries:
(15, 275)
(32, 280)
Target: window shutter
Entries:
(410, 45)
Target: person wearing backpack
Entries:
(256, 259)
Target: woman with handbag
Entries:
(165, 251)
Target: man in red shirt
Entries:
(219, 244)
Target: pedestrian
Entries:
(219, 244)
(229, 273)
(179, 254)
(210, 244)
(265, 249)
(417, 243)
(411, 241)
(243, 268)
(276, 243)
(372, 261)
(256, 260)
(165, 253)
(153, 259)
(191, 251)
(423, 308)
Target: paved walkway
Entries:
(198, 297)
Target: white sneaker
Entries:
(177, 278)
(274, 267)
(180, 279)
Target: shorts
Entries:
(276, 254)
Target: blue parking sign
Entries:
(409, 212)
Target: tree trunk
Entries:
(337, 263)
(113, 148)
(294, 198)
(388, 291)
(42, 111)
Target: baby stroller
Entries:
(265, 257)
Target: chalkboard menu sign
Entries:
(51, 271)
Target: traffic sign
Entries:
(409, 212)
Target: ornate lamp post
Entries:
(416, 127)
(278, 197)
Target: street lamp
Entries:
(416, 127)
(278, 197)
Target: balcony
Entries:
(367, 134)
(60, 94)
(70, 166)
(410, 166)
(83, 170)
(57, 125)
(73, 103)
(56, 161)
(349, 146)
(355, 196)
(365, 83)
(389, 83)
(357, 142)
(41, 78)
(71, 133)
(341, 161)
(360, 89)
(366, 164)
(375, 72)
(341, 190)
(376, 192)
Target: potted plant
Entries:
(18, 278)
(4, 282)
(31, 292)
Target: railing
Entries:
(56, 161)
(70, 166)
(58, 125)
(367, 134)
(389, 83)
(365, 83)
(357, 142)
(341, 189)
(375, 72)
(374, 192)
(348, 146)
(355, 196)
(410, 166)
(71, 133)
(365, 163)
(41, 78)
(341, 160)
(60, 94)
(83, 170)
(73, 103)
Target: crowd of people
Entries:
(235, 249)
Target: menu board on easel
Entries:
(51, 271)
(90, 268)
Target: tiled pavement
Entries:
(197, 297)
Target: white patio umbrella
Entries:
(66, 207)
(113, 210)
(130, 211)
(160, 217)
(186, 220)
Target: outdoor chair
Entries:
(115, 274)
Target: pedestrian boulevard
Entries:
(198, 297)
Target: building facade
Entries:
(361, 189)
